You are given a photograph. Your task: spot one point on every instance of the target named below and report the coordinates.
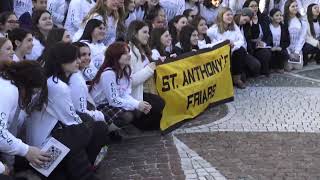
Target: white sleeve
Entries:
(239, 42)
(9, 143)
(140, 76)
(56, 8)
(181, 6)
(302, 39)
(109, 84)
(62, 108)
(2, 168)
(212, 34)
(79, 97)
(75, 14)
(90, 72)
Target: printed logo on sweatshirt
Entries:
(3, 133)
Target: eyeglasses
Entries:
(13, 22)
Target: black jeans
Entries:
(150, 121)
(264, 56)
(252, 65)
(307, 50)
(278, 59)
(238, 61)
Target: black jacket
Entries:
(6, 5)
(285, 37)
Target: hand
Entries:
(36, 157)
(274, 49)
(231, 44)
(6, 170)
(152, 65)
(279, 49)
(260, 44)
(144, 107)
(173, 55)
(162, 58)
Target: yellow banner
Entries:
(192, 82)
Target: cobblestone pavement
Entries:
(270, 131)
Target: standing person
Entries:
(142, 75)
(42, 25)
(297, 31)
(156, 17)
(59, 119)
(312, 45)
(280, 41)
(106, 11)
(57, 9)
(226, 29)
(22, 41)
(194, 5)
(140, 9)
(161, 44)
(173, 8)
(22, 6)
(6, 49)
(175, 26)
(93, 35)
(188, 40)
(209, 10)
(78, 9)
(18, 81)
(257, 37)
(8, 22)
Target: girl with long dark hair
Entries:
(312, 46)
(280, 41)
(142, 66)
(188, 40)
(175, 25)
(59, 119)
(19, 82)
(22, 42)
(89, 71)
(93, 35)
(161, 44)
(42, 25)
(200, 24)
(298, 31)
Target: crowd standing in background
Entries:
(83, 69)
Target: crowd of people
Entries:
(80, 70)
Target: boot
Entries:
(237, 82)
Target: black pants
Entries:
(307, 50)
(264, 56)
(84, 148)
(238, 61)
(150, 121)
(252, 65)
(4, 177)
(278, 59)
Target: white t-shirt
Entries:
(316, 26)
(276, 35)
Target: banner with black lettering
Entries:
(192, 82)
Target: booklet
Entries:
(57, 151)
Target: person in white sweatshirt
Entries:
(173, 8)
(93, 35)
(59, 118)
(139, 9)
(6, 49)
(297, 32)
(22, 41)
(112, 87)
(57, 9)
(209, 10)
(78, 9)
(142, 65)
(311, 48)
(16, 77)
(42, 25)
(22, 6)
(226, 29)
(88, 70)
(108, 13)
(161, 44)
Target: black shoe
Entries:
(115, 137)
